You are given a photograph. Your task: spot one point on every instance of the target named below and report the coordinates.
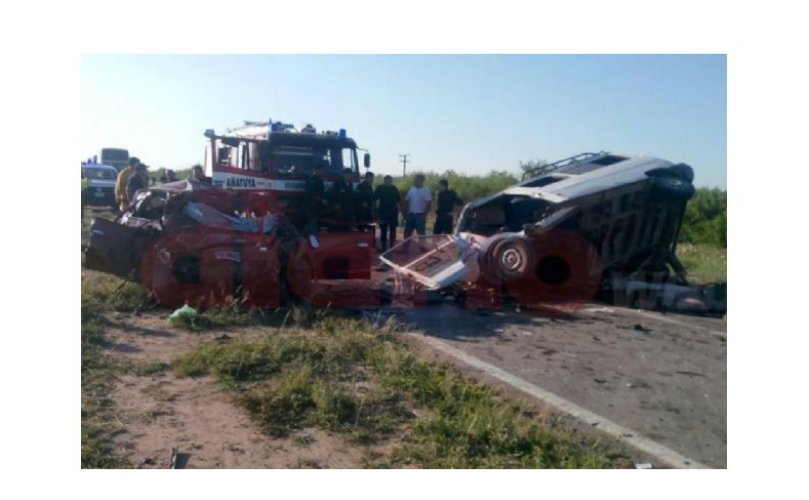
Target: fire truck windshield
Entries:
(300, 161)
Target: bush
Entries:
(468, 187)
(705, 218)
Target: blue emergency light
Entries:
(342, 133)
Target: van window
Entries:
(609, 160)
(544, 181)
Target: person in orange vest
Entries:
(120, 183)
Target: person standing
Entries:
(364, 198)
(168, 176)
(416, 205)
(387, 200)
(120, 183)
(138, 180)
(313, 202)
(342, 199)
(198, 175)
(447, 199)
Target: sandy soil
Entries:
(663, 376)
(206, 426)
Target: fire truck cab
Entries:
(273, 160)
(278, 158)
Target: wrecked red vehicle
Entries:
(186, 244)
(592, 224)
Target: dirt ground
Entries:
(661, 375)
(194, 415)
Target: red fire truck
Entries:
(278, 158)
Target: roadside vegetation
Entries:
(705, 263)
(102, 295)
(706, 218)
(349, 377)
(98, 423)
(355, 379)
(703, 238)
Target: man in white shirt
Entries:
(417, 203)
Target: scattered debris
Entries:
(644, 466)
(642, 328)
(606, 310)
(185, 312)
(600, 380)
(178, 460)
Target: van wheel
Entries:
(508, 258)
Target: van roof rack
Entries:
(566, 162)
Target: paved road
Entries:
(662, 376)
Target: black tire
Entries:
(507, 258)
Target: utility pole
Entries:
(403, 159)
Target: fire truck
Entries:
(277, 158)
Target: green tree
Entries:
(468, 187)
(533, 168)
(705, 218)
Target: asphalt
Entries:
(658, 377)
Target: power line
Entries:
(403, 159)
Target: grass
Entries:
(356, 380)
(104, 292)
(100, 294)
(98, 423)
(704, 263)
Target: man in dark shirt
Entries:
(138, 180)
(364, 200)
(447, 199)
(168, 176)
(198, 174)
(388, 200)
(313, 202)
(342, 200)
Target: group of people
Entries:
(135, 176)
(346, 205)
(360, 206)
